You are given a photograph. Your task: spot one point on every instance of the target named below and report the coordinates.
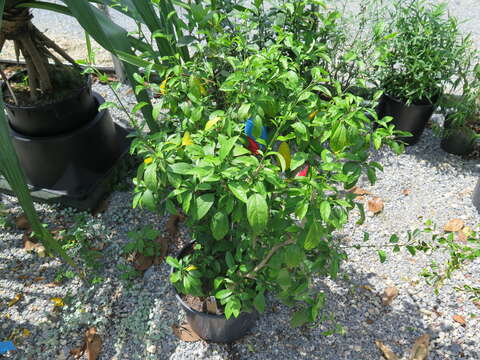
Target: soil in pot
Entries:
(214, 327)
(411, 118)
(69, 107)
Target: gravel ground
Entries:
(134, 318)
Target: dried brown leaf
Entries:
(142, 262)
(30, 245)
(477, 304)
(77, 353)
(15, 300)
(406, 192)
(420, 348)
(93, 343)
(172, 224)
(164, 245)
(389, 294)
(185, 332)
(359, 191)
(459, 319)
(454, 225)
(387, 353)
(101, 208)
(21, 222)
(375, 205)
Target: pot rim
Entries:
(100, 114)
(399, 101)
(74, 93)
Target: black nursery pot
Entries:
(412, 118)
(57, 118)
(73, 161)
(457, 141)
(476, 196)
(216, 328)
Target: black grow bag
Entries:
(57, 118)
(457, 141)
(476, 196)
(216, 328)
(411, 118)
(72, 162)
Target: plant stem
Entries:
(264, 262)
(4, 77)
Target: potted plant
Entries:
(421, 58)
(461, 122)
(64, 142)
(462, 114)
(261, 217)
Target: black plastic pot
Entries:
(217, 328)
(57, 118)
(411, 118)
(476, 196)
(457, 140)
(73, 161)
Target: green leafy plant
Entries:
(424, 54)
(143, 242)
(262, 213)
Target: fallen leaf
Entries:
(29, 245)
(366, 287)
(369, 321)
(101, 208)
(164, 245)
(389, 294)
(461, 237)
(142, 262)
(25, 332)
(185, 332)
(420, 348)
(21, 222)
(375, 205)
(77, 353)
(406, 192)
(459, 319)
(93, 343)
(454, 225)
(477, 304)
(359, 191)
(15, 300)
(387, 353)
(172, 224)
(57, 301)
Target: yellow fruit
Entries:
(148, 160)
(187, 140)
(284, 150)
(312, 114)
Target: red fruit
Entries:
(304, 171)
(252, 146)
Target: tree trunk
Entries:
(33, 45)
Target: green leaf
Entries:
(338, 140)
(203, 203)
(239, 190)
(325, 210)
(313, 236)
(257, 212)
(219, 225)
(259, 302)
(243, 111)
(223, 294)
(300, 318)
(382, 255)
(173, 262)
(150, 177)
(301, 209)
(181, 168)
(226, 145)
(298, 159)
(229, 260)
